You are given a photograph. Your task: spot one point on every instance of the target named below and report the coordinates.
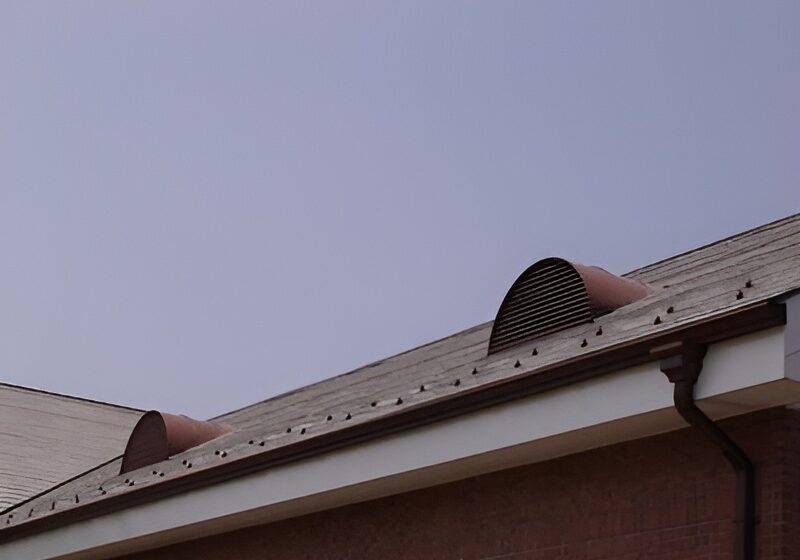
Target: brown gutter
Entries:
(682, 363)
(728, 325)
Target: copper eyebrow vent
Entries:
(555, 294)
(157, 436)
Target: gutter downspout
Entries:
(682, 363)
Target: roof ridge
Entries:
(72, 397)
(750, 231)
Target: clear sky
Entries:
(203, 204)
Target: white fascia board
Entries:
(739, 376)
(792, 338)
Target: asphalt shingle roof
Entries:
(714, 280)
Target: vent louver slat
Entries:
(543, 308)
(529, 287)
(551, 313)
(524, 303)
(512, 338)
(553, 295)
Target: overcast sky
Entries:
(205, 204)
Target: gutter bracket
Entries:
(682, 363)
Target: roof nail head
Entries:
(535, 352)
(422, 388)
(474, 371)
(329, 418)
(348, 417)
(223, 454)
(399, 401)
(302, 431)
(262, 443)
(748, 284)
(517, 364)
(585, 343)
(457, 382)
(670, 309)
(657, 320)
(599, 331)
(739, 294)
(374, 403)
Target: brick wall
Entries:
(667, 497)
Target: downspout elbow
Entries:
(682, 363)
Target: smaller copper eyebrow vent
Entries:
(554, 294)
(157, 436)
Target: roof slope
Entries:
(718, 269)
(718, 280)
(46, 439)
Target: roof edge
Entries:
(750, 231)
(70, 397)
(374, 363)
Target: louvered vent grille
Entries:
(548, 297)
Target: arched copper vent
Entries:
(554, 294)
(157, 436)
